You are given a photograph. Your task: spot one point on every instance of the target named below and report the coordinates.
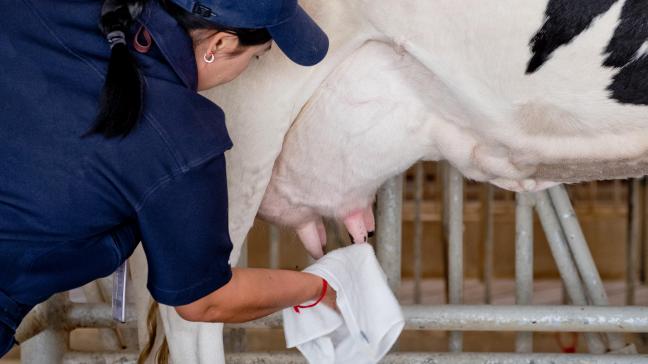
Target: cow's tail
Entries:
(162, 356)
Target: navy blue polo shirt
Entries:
(72, 209)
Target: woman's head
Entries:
(222, 53)
(225, 39)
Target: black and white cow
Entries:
(520, 93)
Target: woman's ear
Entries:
(222, 43)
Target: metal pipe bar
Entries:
(489, 244)
(109, 357)
(96, 315)
(443, 168)
(524, 263)
(234, 339)
(527, 318)
(444, 196)
(644, 230)
(564, 261)
(582, 256)
(265, 358)
(127, 337)
(632, 243)
(578, 246)
(388, 229)
(452, 358)
(554, 318)
(243, 257)
(418, 231)
(455, 248)
(274, 246)
(558, 245)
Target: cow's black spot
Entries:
(564, 20)
(629, 35)
(630, 85)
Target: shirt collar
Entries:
(173, 41)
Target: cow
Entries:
(523, 94)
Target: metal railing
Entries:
(588, 314)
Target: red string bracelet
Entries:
(321, 297)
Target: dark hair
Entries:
(120, 104)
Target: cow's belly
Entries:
(561, 114)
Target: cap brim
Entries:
(301, 39)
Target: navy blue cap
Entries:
(292, 29)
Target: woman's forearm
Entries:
(254, 293)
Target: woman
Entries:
(104, 142)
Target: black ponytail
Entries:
(121, 98)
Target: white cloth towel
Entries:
(371, 318)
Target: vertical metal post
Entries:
(632, 246)
(442, 177)
(524, 263)
(243, 259)
(49, 346)
(644, 230)
(274, 246)
(582, 256)
(388, 229)
(564, 261)
(418, 231)
(489, 244)
(127, 337)
(235, 339)
(455, 248)
(444, 169)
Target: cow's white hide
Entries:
(368, 121)
(490, 120)
(470, 103)
(260, 106)
(527, 126)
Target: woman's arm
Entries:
(254, 293)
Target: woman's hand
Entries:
(330, 299)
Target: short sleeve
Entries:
(183, 221)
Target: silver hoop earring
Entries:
(209, 59)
